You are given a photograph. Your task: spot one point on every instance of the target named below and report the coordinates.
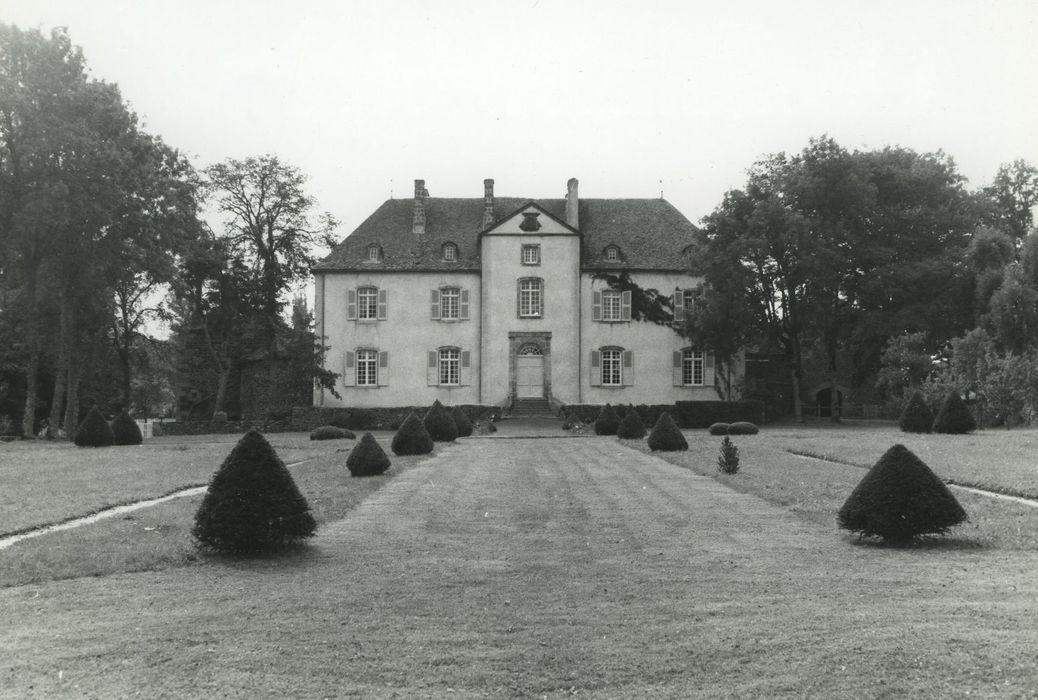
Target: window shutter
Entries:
(465, 375)
(625, 306)
(351, 304)
(708, 369)
(679, 305)
(383, 368)
(383, 306)
(675, 371)
(596, 370)
(596, 306)
(431, 375)
(349, 368)
(463, 310)
(628, 370)
(518, 298)
(435, 305)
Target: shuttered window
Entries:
(367, 303)
(367, 368)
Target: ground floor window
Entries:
(449, 366)
(612, 368)
(367, 368)
(692, 367)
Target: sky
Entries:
(632, 98)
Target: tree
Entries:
(906, 363)
(917, 416)
(411, 437)
(631, 427)
(1013, 195)
(269, 223)
(367, 458)
(954, 416)
(607, 421)
(665, 436)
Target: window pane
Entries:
(691, 368)
(367, 303)
(530, 297)
(367, 368)
(612, 367)
(531, 254)
(449, 366)
(611, 305)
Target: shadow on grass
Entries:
(925, 544)
(294, 555)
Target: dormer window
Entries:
(374, 253)
(450, 252)
(612, 254)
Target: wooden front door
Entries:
(529, 372)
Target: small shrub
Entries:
(94, 431)
(367, 458)
(461, 421)
(125, 430)
(665, 436)
(917, 416)
(252, 503)
(954, 417)
(412, 438)
(728, 459)
(899, 499)
(607, 422)
(331, 432)
(719, 429)
(439, 423)
(743, 428)
(631, 427)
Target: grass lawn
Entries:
(533, 568)
(159, 537)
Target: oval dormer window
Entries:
(374, 253)
(450, 252)
(612, 253)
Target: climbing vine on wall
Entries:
(646, 304)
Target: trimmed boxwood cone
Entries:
(252, 504)
(94, 431)
(439, 423)
(411, 437)
(900, 498)
(665, 436)
(954, 417)
(607, 422)
(631, 427)
(367, 458)
(125, 430)
(461, 421)
(917, 416)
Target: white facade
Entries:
(519, 308)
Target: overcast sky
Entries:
(629, 97)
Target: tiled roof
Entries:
(650, 233)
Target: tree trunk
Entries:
(31, 372)
(798, 407)
(221, 390)
(72, 403)
(62, 379)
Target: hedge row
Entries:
(687, 414)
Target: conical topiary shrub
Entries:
(954, 417)
(94, 431)
(631, 427)
(461, 421)
(728, 457)
(917, 416)
(252, 504)
(665, 436)
(125, 430)
(439, 423)
(367, 458)
(411, 437)
(900, 498)
(607, 422)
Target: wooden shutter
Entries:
(679, 305)
(349, 368)
(596, 306)
(431, 375)
(676, 375)
(383, 306)
(628, 370)
(383, 368)
(435, 305)
(708, 369)
(596, 369)
(625, 306)
(351, 304)
(465, 374)
(463, 307)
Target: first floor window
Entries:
(612, 368)
(449, 370)
(367, 303)
(692, 364)
(449, 297)
(611, 305)
(530, 298)
(367, 368)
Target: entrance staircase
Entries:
(531, 407)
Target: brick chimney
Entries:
(420, 193)
(572, 202)
(488, 203)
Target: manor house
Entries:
(511, 302)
